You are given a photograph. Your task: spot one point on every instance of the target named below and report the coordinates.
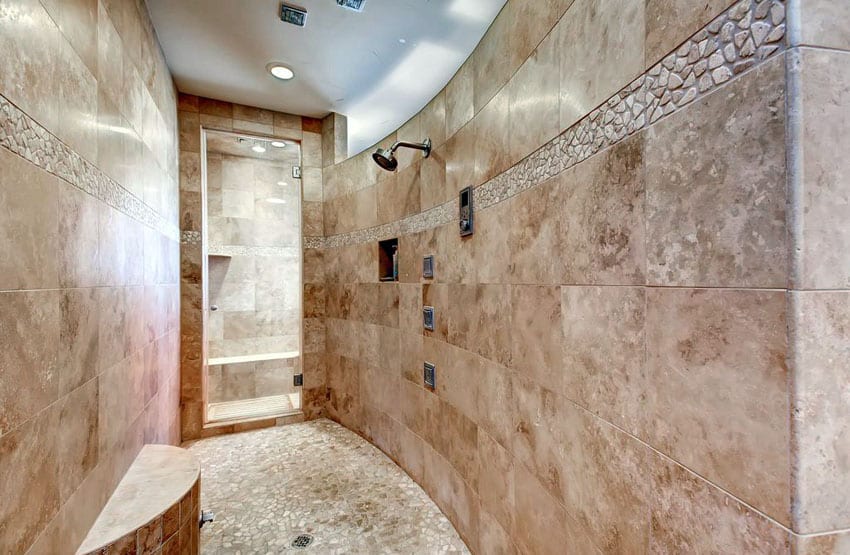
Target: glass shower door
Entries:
(253, 277)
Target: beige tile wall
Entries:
(89, 275)
(193, 114)
(616, 347)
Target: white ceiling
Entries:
(352, 63)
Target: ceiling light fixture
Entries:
(258, 148)
(278, 144)
(280, 71)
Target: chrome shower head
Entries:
(386, 158)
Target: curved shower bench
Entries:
(155, 506)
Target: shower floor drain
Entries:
(301, 541)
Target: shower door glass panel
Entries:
(253, 244)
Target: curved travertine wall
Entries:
(631, 344)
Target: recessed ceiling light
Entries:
(282, 183)
(258, 148)
(278, 144)
(402, 41)
(280, 71)
(274, 200)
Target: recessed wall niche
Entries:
(388, 260)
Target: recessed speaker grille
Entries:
(293, 14)
(354, 5)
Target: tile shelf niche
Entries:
(388, 260)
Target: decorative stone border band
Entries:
(241, 250)
(24, 136)
(739, 39)
(190, 237)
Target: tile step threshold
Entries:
(247, 410)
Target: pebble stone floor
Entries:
(268, 486)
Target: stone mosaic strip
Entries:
(739, 39)
(190, 237)
(22, 135)
(427, 219)
(241, 250)
(314, 242)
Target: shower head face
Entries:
(385, 159)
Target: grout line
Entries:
(88, 288)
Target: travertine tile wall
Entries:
(88, 261)
(630, 357)
(193, 114)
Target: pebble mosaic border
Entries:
(741, 38)
(242, 250)
(190, 237)
(24, 136)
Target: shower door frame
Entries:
(205, 309)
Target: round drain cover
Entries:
(301, 541)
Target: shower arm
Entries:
(425, 147)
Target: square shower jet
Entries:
(428, 318)
(428, 266)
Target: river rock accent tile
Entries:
(740, 39)
(190, 237)
(325, 481)
(22, 135)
